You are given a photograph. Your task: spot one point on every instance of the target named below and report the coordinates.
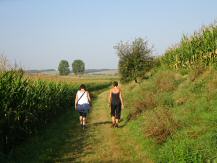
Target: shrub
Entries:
(134, 59)
(161, 125)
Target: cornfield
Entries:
(27, 106)
(200, 48)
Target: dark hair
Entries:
(115, 83)
(82, 86)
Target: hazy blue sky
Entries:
(39, 33)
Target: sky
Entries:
(37, 34)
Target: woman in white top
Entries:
(82, 104)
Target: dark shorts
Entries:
(116, 110)
(83, 109)
(83, 114)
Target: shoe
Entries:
(116, 126)
(84, 127)
(113, 125)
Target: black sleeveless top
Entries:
(116, 99)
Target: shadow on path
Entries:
(101, 123)
(62, 141)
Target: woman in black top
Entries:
(116, 103)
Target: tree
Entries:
(63, 67)
(78, 67)
(4, 63)
(134, 59)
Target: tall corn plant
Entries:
(201, 48)
(27, 106)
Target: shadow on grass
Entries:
(62, 141)
(101, 123)
(125, 122)
(110, 122)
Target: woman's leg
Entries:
(81, 119)
(84, 120)
(113, 114)
(116, 121)
(118, 115)
(113, 119)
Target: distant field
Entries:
(87, 78)
(88, 72)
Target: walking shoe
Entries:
(116, 126)
(84, 127)
(113, 125)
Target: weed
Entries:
(167, 81)
(180, 150)
(149, 102)
(181, 100)
(196, 72)
(198, 86)
(166, 99)
(161, 126)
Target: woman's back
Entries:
(84, 98)
(115, 95)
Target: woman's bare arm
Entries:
(88, 96)
(76, 100)
(110, 97)
(122, 102)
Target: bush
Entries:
(161, 125)
(134, 59)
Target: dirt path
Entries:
(99, 142)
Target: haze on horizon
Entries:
(38, 34)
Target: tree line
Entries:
(78, 67)
(135, 60)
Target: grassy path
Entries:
(100, 142)
(65, 141)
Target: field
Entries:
(29, 103)
(173, 116)
(170, 116)
(87, 78)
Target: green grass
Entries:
(190, 104)
(27, 106)
(179, 125)
(46, 145)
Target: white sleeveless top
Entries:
(84, 98)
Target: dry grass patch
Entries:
(181, 100)
(196, 72)
(149, 102)
(166, 81)
(161, 125)
(212, 86)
